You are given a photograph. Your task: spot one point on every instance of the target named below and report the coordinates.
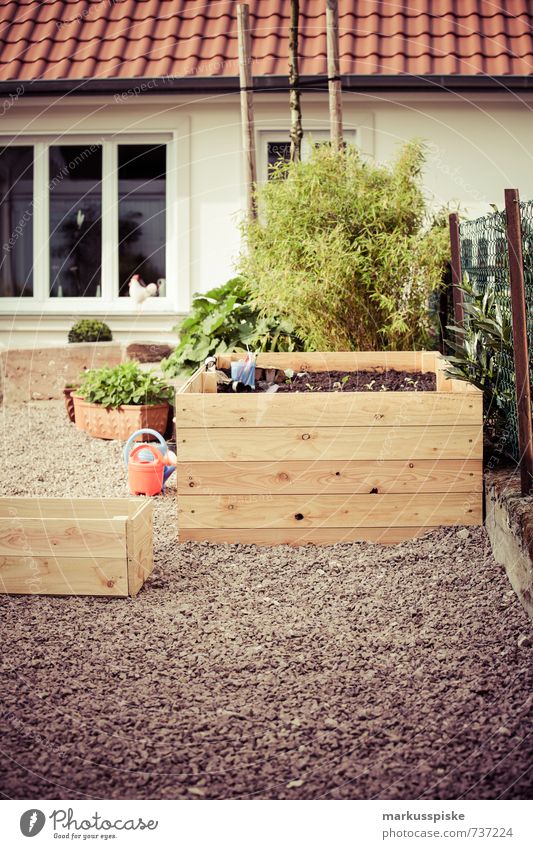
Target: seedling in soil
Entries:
(369, 385)
(340, 384)
(289, 374)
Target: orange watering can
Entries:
(145, 474)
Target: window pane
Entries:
(16, 222)
(75, 221)
(142, 215)
(277, 151)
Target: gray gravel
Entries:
(353, 671)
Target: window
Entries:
(142, 208)
(79, 218)
(16, 222)
(275, 146)
(277, 151)
(75, 192)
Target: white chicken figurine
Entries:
(140, 291)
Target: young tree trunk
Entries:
(247, 106)
(294, 81)
(334, 78)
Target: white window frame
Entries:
(177, 298)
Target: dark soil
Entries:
(340, 381)
(343, 672)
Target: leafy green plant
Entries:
(478, 350)
(345, 249)
(90, 330)
(126, 383)
(222, 320)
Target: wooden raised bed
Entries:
(86, 546)
(326, 467)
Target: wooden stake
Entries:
(294, 81)
(457, 273)
(247, 106)
(520, 343)
(334, 78)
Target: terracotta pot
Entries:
(119, 423)
(69, 402)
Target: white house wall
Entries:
(477, 146)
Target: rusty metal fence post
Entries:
(457, 272)
(520, 341)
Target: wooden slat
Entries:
(63, 576)
(209, 382)
(390, 476)
(336, 361)
(194, 383)
(140, 548)
(330, 443)
(61, 537)
(309, 536)
(67, 508)
(329, 511)
(328, 409)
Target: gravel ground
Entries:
(353, 671)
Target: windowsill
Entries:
(83, 306)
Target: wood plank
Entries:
(328, 409)
(209, 382)
(308, 536)
(63, 576)
(140, 548)
(61, 537)
(329, 511)
(330, 443)
(335, 361)
(194, 383)
(67, 508)
(390, 476)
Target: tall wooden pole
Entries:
(334, 74)
(294, 82)
(457, 273)
(247, 106)
(520, 344)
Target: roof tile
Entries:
(77, 39)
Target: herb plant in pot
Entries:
(112, 402)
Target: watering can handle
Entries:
(144, 446)
(127, 447)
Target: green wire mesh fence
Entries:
(484, 261)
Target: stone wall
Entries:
(40, 374)
(509, 524)
(36, 374)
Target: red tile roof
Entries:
(109, 39)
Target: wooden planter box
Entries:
(119, 423)
(64, 546)
(321, 467)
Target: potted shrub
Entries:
(90, 330)
(112, 402)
